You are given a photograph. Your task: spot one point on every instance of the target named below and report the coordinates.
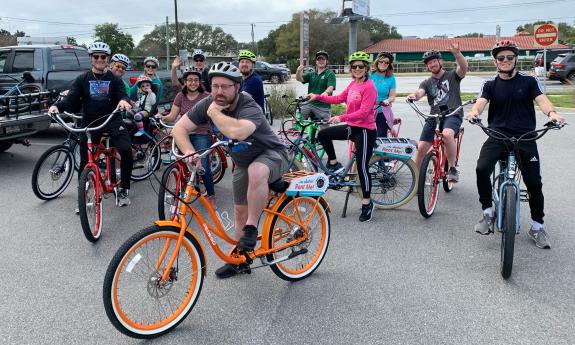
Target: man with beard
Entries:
(238, 117)
(442, 90)
(511, 111)
(252, 83)
(321, 82)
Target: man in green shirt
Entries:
(320, 81)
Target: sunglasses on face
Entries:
(501, 58)
(99, 57)
(198, 60)
(385, 62)
(120, 66)
(362, 66)
(151, 66)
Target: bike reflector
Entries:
(395, 147)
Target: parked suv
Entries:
(563, 68)
(551, 55)
(273, 74)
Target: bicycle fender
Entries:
(177, 225)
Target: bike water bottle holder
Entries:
(395, 147)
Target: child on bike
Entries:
(146, 99)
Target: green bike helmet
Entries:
(359, 56)
(246, 54)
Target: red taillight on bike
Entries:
(133, 80)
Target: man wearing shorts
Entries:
(238, 117)
(320, 82)
(443, 92)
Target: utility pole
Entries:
(253, 41)
(167, 47)
(177, 27)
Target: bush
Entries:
(278, 103)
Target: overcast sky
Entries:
(423, 18)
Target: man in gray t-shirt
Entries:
(238, 117)
(443, 92)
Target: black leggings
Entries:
(382, 126)
(364, 140)
(493, 150)
(120, 138)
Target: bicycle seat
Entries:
(279, 186)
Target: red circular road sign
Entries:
(546, 34)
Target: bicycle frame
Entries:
(109, 181)
(275, 200)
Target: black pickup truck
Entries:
(51, 69)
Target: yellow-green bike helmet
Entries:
(246, 54)
(359, 56)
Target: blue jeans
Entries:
(200, 142)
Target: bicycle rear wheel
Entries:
(90, 204)
(137, 302)
(147, 159)
(309, 254)
(53, 172)
(428, 185)
(393, 181)
(447, 184)
(217, 164)
(268, 112)
(26, 103)
(508, 233)
(172, 186)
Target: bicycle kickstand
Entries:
(344, 211)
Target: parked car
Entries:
(551, 55)
(273, 74)
(563, 68)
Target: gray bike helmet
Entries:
(227, 70)
(121, 58)
(99, 47)
(429, 55)
(153, 59)
(192, 70)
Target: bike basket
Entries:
(395, 147)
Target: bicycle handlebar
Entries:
(202, 153)
(58, 118)
(411, 102)
(495, 134)
(161, 122)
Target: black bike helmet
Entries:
(386, 54)
(322, 53)
(505, 45)
(429, 55)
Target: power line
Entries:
(486, 22)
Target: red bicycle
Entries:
(434, 166)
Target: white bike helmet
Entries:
(227, 70)
(99, 47)
(153, 59)
(121, 58)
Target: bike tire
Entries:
(132, 290)
(90, 204)
(447, 185)
(59, 161)
(508, 231)
(217, 164)
(393, 181)
(428, 185)
(168, 203)
(147, 159)
(268, 113)
(303, 265)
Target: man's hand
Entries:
(300, 68)
(454, 47)
(553, 116)
(412, 97)
(311, 97)
(214, 109)
(124, 105)
(335, 119)
(177, 62)
(53, 109)
(472, 115)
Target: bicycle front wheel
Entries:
(308, 255)
(428, 186)
(53, 172)
(393, 181)
(217, 158)
(172, 187)
(147, 159)
(508, 233)
(90, 204)
(137, 302)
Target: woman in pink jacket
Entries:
(359, 97)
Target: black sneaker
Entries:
(229, 270)
(453, 175)
(122, 198)
(249, 239)
(334, 168)
(366, 212)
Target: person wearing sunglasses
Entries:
(443, 91)
(510, 95)
(384, 80)
(320, 81)
(99, 92)
(150, 67)
(238, 117)
(118, 65)
(359, 97)
(198, 63)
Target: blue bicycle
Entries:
(25, 95)
(507, 194)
